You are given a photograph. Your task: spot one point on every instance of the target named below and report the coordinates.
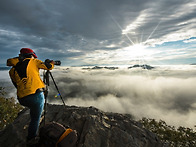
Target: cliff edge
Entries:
(95, 127)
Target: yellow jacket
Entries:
(25, 75)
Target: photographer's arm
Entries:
(48, 63)
(12, 61)
(45, 65)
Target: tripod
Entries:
(46, 81)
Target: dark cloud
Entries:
(92, 25)
(88, 18)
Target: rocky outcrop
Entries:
(145, 66)
(96, 128)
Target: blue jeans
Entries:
(35, 103)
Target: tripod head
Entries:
(46, 74)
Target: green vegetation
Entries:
(180, 137)
(8, 109)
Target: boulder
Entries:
(95, 128)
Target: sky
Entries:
(110, 32)
(94, 32)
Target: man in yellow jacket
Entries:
(26, 78)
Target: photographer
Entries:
(26, 78)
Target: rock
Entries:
(95, 127)
(145, 66)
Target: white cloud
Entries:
(166, 92)
(140, 20)
(163, 93)
(4, 75)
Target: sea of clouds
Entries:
(165, 92)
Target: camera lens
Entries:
(58, 62)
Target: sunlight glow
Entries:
(133, 54)
(137, 50)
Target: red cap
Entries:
(27, 51)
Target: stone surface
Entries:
(96, 128)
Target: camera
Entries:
(57, 62)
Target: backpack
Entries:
(56, 135)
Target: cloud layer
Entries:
(165, 92)
(162, 93)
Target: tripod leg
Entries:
(57, 88)
(46, 81)
(45, 105)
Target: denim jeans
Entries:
(35, 103)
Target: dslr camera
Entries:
(57, 62)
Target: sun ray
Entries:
(121, 28)
(153, 31)
(136, 52)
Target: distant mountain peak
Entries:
(144, 66)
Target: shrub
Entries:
(8, 110)
(181, 137)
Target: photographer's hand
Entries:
(49, 63)
(52, 62)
